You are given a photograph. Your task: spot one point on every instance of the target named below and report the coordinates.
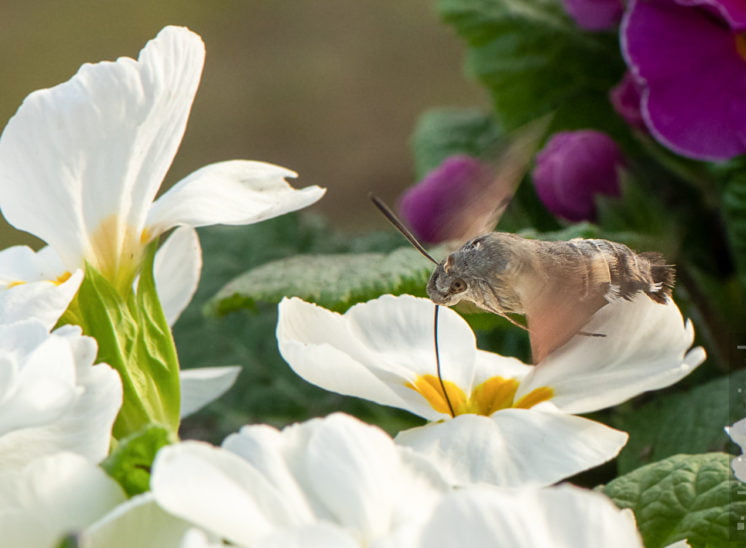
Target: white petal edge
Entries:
(218, 491)
(514, 447)
(645, 347)
(177, 268)
(109, 136)
(562, 517)
(204, 385)
(28, 286)
(376, 348)
(236, 192)
(53, 496)
(737, 433)
(139, 521)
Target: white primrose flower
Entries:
(81, 163)
(529, 517)
(737, 433)
(52, 396)
(52, 497)
(512, 422)
(327, 482)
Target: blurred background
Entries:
(330, 89)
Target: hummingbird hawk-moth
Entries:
(556, 285)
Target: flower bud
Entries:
(574, 167)
(436, 208)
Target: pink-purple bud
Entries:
(625, 98)
(434, 207)
(573, 168)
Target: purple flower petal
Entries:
(693, 76)
(573, 168)
(733, 11)
(435, 207)
(595, 14)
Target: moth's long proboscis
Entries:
(394, 220)
(437, 363)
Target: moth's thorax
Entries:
(489, 271)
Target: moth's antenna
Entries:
(394, 220)
(437, 364)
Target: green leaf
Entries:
(135, 339)
(535, 61)
(130, 463)
(445, 132)
(688, 422)
(693, 497)
(333, 281)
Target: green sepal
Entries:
(693, 497)
(135, 339)
(334, 281)
(131, 461)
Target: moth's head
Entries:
(474, 272)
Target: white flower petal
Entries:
(644, 347)
(236, 192)
(515, 447)
(51, 497)
(218, 491)
(178, 264)
(375, 349)
(30, 288)
(108, 135)
(316, 535)
(561, 517)
(85, 425)
(203, 385)
(137, 522)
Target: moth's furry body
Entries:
(557, 285)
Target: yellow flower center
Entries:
(741, 45)
(492, 395)
(116, 251)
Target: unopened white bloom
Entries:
(512, 422)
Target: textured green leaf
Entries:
(693, 497)
(131, 461)
(334, 281)
(688, 422)
(134, 338)
(444, 132)
(534, 61)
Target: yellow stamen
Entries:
(62, 278)
(534, 397)
(429, 387)
(492, 395)
(14, 284)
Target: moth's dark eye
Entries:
(458, 285)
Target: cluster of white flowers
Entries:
(80, 165)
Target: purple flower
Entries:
(437, 208)
(574, 167)
(690, 58)
(595, 14)
(625, 98)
